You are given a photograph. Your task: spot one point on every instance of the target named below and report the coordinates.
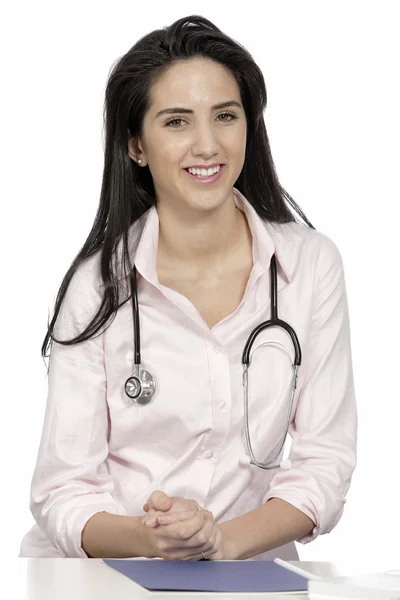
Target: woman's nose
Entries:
(205, 141)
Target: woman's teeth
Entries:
(204, 172)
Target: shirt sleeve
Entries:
(324, 427)
(71, 481)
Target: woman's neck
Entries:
(204, 241)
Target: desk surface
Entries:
(91, 579)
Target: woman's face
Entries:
(195, 132)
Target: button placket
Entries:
(220, 376)
(220, 389)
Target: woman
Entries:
(193, 215)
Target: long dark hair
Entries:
(127, 190)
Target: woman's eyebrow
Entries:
(177, 109)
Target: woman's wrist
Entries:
(115, 536)
(229, 547)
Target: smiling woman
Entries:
(194, 242)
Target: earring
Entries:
(139, 161)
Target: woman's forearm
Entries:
(115, 536)
(271, 525)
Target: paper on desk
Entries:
(375, 586)
(210, 576)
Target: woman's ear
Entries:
(134, 150)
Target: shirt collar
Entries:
(268, 238)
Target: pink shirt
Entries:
(100, 451)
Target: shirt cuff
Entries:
(298, 502)
(70, 542)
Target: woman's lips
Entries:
(214, 178)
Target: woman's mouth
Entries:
(199, 178)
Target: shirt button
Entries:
(217, 349)
(209, 454)
(221, 405)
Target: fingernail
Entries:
(149, 521)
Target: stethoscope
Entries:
(140, 387)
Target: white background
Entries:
(332, 72)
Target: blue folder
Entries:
(210, 576)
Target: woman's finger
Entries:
(193, 532)
(175, 517)
(159, 501)
(158, 518)
(149, 519)
(211, 548)
(185, 540)
(176, 503)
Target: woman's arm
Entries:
(270, 526)
(115, 536)
(324, 427)
(273, 524)
(71, 481)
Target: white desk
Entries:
(91, 579)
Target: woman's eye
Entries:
(228, 115)
(169, 123)
(172, 122)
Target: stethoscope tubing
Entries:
(273, 322)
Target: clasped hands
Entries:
(180, 531)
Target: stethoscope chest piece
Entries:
(140, 387)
